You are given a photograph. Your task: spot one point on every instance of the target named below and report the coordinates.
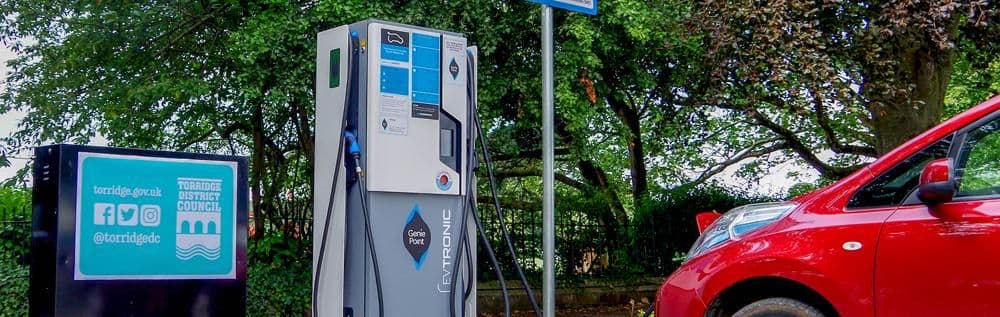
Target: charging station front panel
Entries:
(121, 232)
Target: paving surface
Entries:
(604, 311)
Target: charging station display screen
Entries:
(141, 218)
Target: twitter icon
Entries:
(128, 215)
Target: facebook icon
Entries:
(104, 214)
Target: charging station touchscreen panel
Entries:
(417, 101)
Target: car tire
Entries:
(778, 307)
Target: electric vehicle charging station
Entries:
(393, 174)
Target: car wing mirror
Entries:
(937, 182)
(706, 219)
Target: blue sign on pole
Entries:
(155, 218)
(582, 6)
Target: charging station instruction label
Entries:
(142, 218)
(410, 79)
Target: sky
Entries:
(8, 121)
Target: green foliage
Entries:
(17, 200)
(15, 224)
(665, 226)
(279, 277)
(13, 288)
(974, 80)
(804, 188)
(279, 249)
(15, 242)
(274, 290)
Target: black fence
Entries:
(292, 218)
(15, 234)
(584, 248)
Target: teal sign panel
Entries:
(141, 218)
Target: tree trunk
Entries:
(636, 154)
(907, 98)
(257, 166)
(637, 169)
(614, 216)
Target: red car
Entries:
(915, 233)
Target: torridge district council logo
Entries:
(198, 218)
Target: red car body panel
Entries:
(940, 261)
(911, 260)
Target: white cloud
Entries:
(8, 121)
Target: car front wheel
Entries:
(778, 307)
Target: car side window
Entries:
(892, 187)
(978, 168)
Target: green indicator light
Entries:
(335, 68)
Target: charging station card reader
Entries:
(122, 232)
(405, 92)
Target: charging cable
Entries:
(355, 151)
(496, 203)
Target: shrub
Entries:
(665, 226)
(13, 288)
(279, 277)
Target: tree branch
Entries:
(190, 29)
(529, 154)
(831, 137)
(508, 204)
(224, 133)
(196, 140)
(796, 145)
(742, 155)
(532, 172)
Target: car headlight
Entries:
(738, 222)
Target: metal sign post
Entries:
(548, 146)
(548, 192)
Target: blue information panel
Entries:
(141, 218)
(582, 6)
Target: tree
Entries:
(854, 79)
(208, 76)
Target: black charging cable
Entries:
(462, 237)
(355, 151)
(326, 232)
(470, 202)
(470, 273)
(503, 223)
(493, 259)
(499, 211)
